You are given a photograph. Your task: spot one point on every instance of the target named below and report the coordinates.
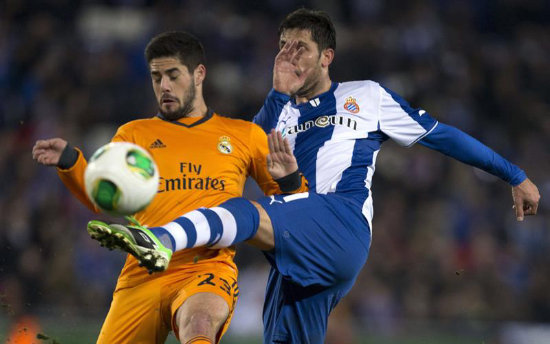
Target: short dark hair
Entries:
(318, 22)
(186, 47)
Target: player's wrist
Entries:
(68, 157)
(519, 177)
(290, 182)
(280, 92)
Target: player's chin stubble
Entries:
(310, 85)
(184, 109)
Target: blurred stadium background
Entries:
(449, 263)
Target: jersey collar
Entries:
(209, 114)
(319, 97)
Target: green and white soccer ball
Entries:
(121, 178)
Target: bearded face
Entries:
(173, 108)
(174, 87)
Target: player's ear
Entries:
(327, 56)
(199, 74)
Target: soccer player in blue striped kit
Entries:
(316, 242)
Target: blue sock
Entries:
(233, 221)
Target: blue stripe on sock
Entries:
(189, 229)
(161, 234)
(215, 224)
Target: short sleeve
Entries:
(400, 121)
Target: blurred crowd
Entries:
(446, 245)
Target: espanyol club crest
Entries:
(224, 145)
(351, 105)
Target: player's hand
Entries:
(280, 160)
(288, 78)
(48, 152)
(526, 199)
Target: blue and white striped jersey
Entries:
(337, 135)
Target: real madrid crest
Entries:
(224, 145)
(351, 105)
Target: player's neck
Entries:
(199, 108)
(318, 88)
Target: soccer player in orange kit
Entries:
(204, 160)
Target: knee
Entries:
(201, 320)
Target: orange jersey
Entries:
(202, 162)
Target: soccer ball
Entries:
(121, 178)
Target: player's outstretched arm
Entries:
(526, 199)
(461, 146)
(70, 165)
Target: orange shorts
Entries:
(145, 313)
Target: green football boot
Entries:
(134, 239)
